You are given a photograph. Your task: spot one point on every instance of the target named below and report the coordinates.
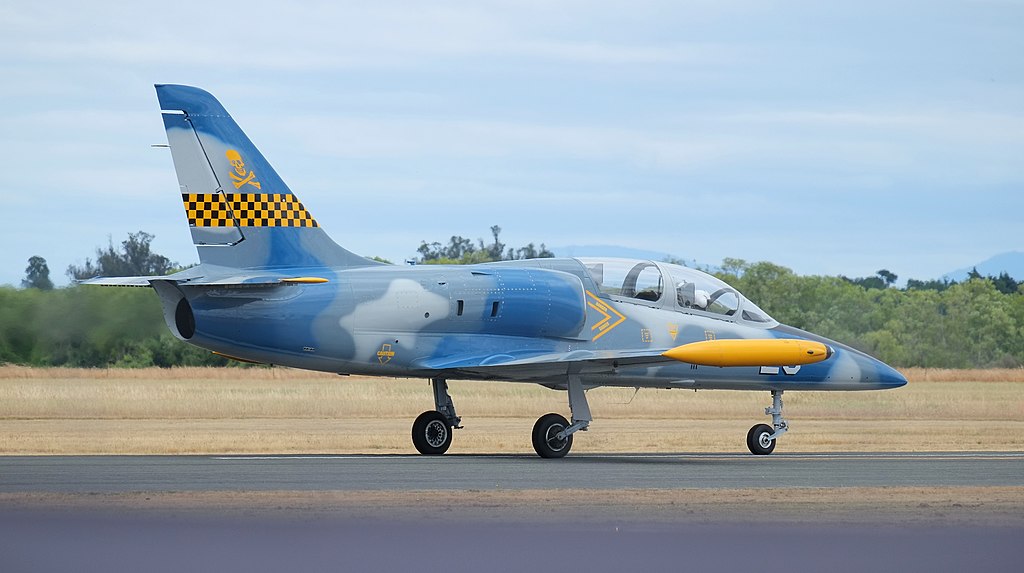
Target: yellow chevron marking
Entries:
(612, 317)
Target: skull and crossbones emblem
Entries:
(241, 176)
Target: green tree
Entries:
(457, 248)
(496, 249)
(462, 251)
(979, 324)
(932, 284)
(886, 276)
(874, 282)
(37, 274)
(733, 266)
(19, 324)
(529, 252)
(1004, 283)
(134, 258)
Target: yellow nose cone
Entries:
(742, 352)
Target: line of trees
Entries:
(972, 324)
(82, 326)
(976, 323)
(463, 251)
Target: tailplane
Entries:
(240, 212)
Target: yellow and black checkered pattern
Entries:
(245, 210)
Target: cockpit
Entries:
(670, 286)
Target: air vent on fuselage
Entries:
(494, 308)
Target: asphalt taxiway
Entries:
(115, 474)
(705, 512)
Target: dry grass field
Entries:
(278, 410)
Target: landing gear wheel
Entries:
(758, 441)
(544, 440)
(431, 433)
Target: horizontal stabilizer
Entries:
(745, 352)
(229, 281)
(126, 281)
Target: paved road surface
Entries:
(114, 474)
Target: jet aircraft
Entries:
(273, 288)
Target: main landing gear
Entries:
(432, 430)
(552, 434)
(761, 438)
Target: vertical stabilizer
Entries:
(240, 212)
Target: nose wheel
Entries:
(760, 441)
(762, 437)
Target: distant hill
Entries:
(1011, 263)
(620, 252)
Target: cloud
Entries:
(348, 137)
(676, 119)
(313, 36)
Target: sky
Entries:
(831, 138)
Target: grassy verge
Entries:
(210, 410)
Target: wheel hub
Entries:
(553, 442)
(437, 433)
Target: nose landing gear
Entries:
(761, 438)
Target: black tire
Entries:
(758, 442)
(543, 431)
(431, 433)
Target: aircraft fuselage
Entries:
(409, 321)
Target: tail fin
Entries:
(240, 212)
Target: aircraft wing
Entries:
(124, 281)
(509, 365)
(721, 353)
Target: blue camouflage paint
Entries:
(528, 303)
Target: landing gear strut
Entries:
(761, 438)
(552, 434)
(432, 430)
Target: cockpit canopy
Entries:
(666, 285)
